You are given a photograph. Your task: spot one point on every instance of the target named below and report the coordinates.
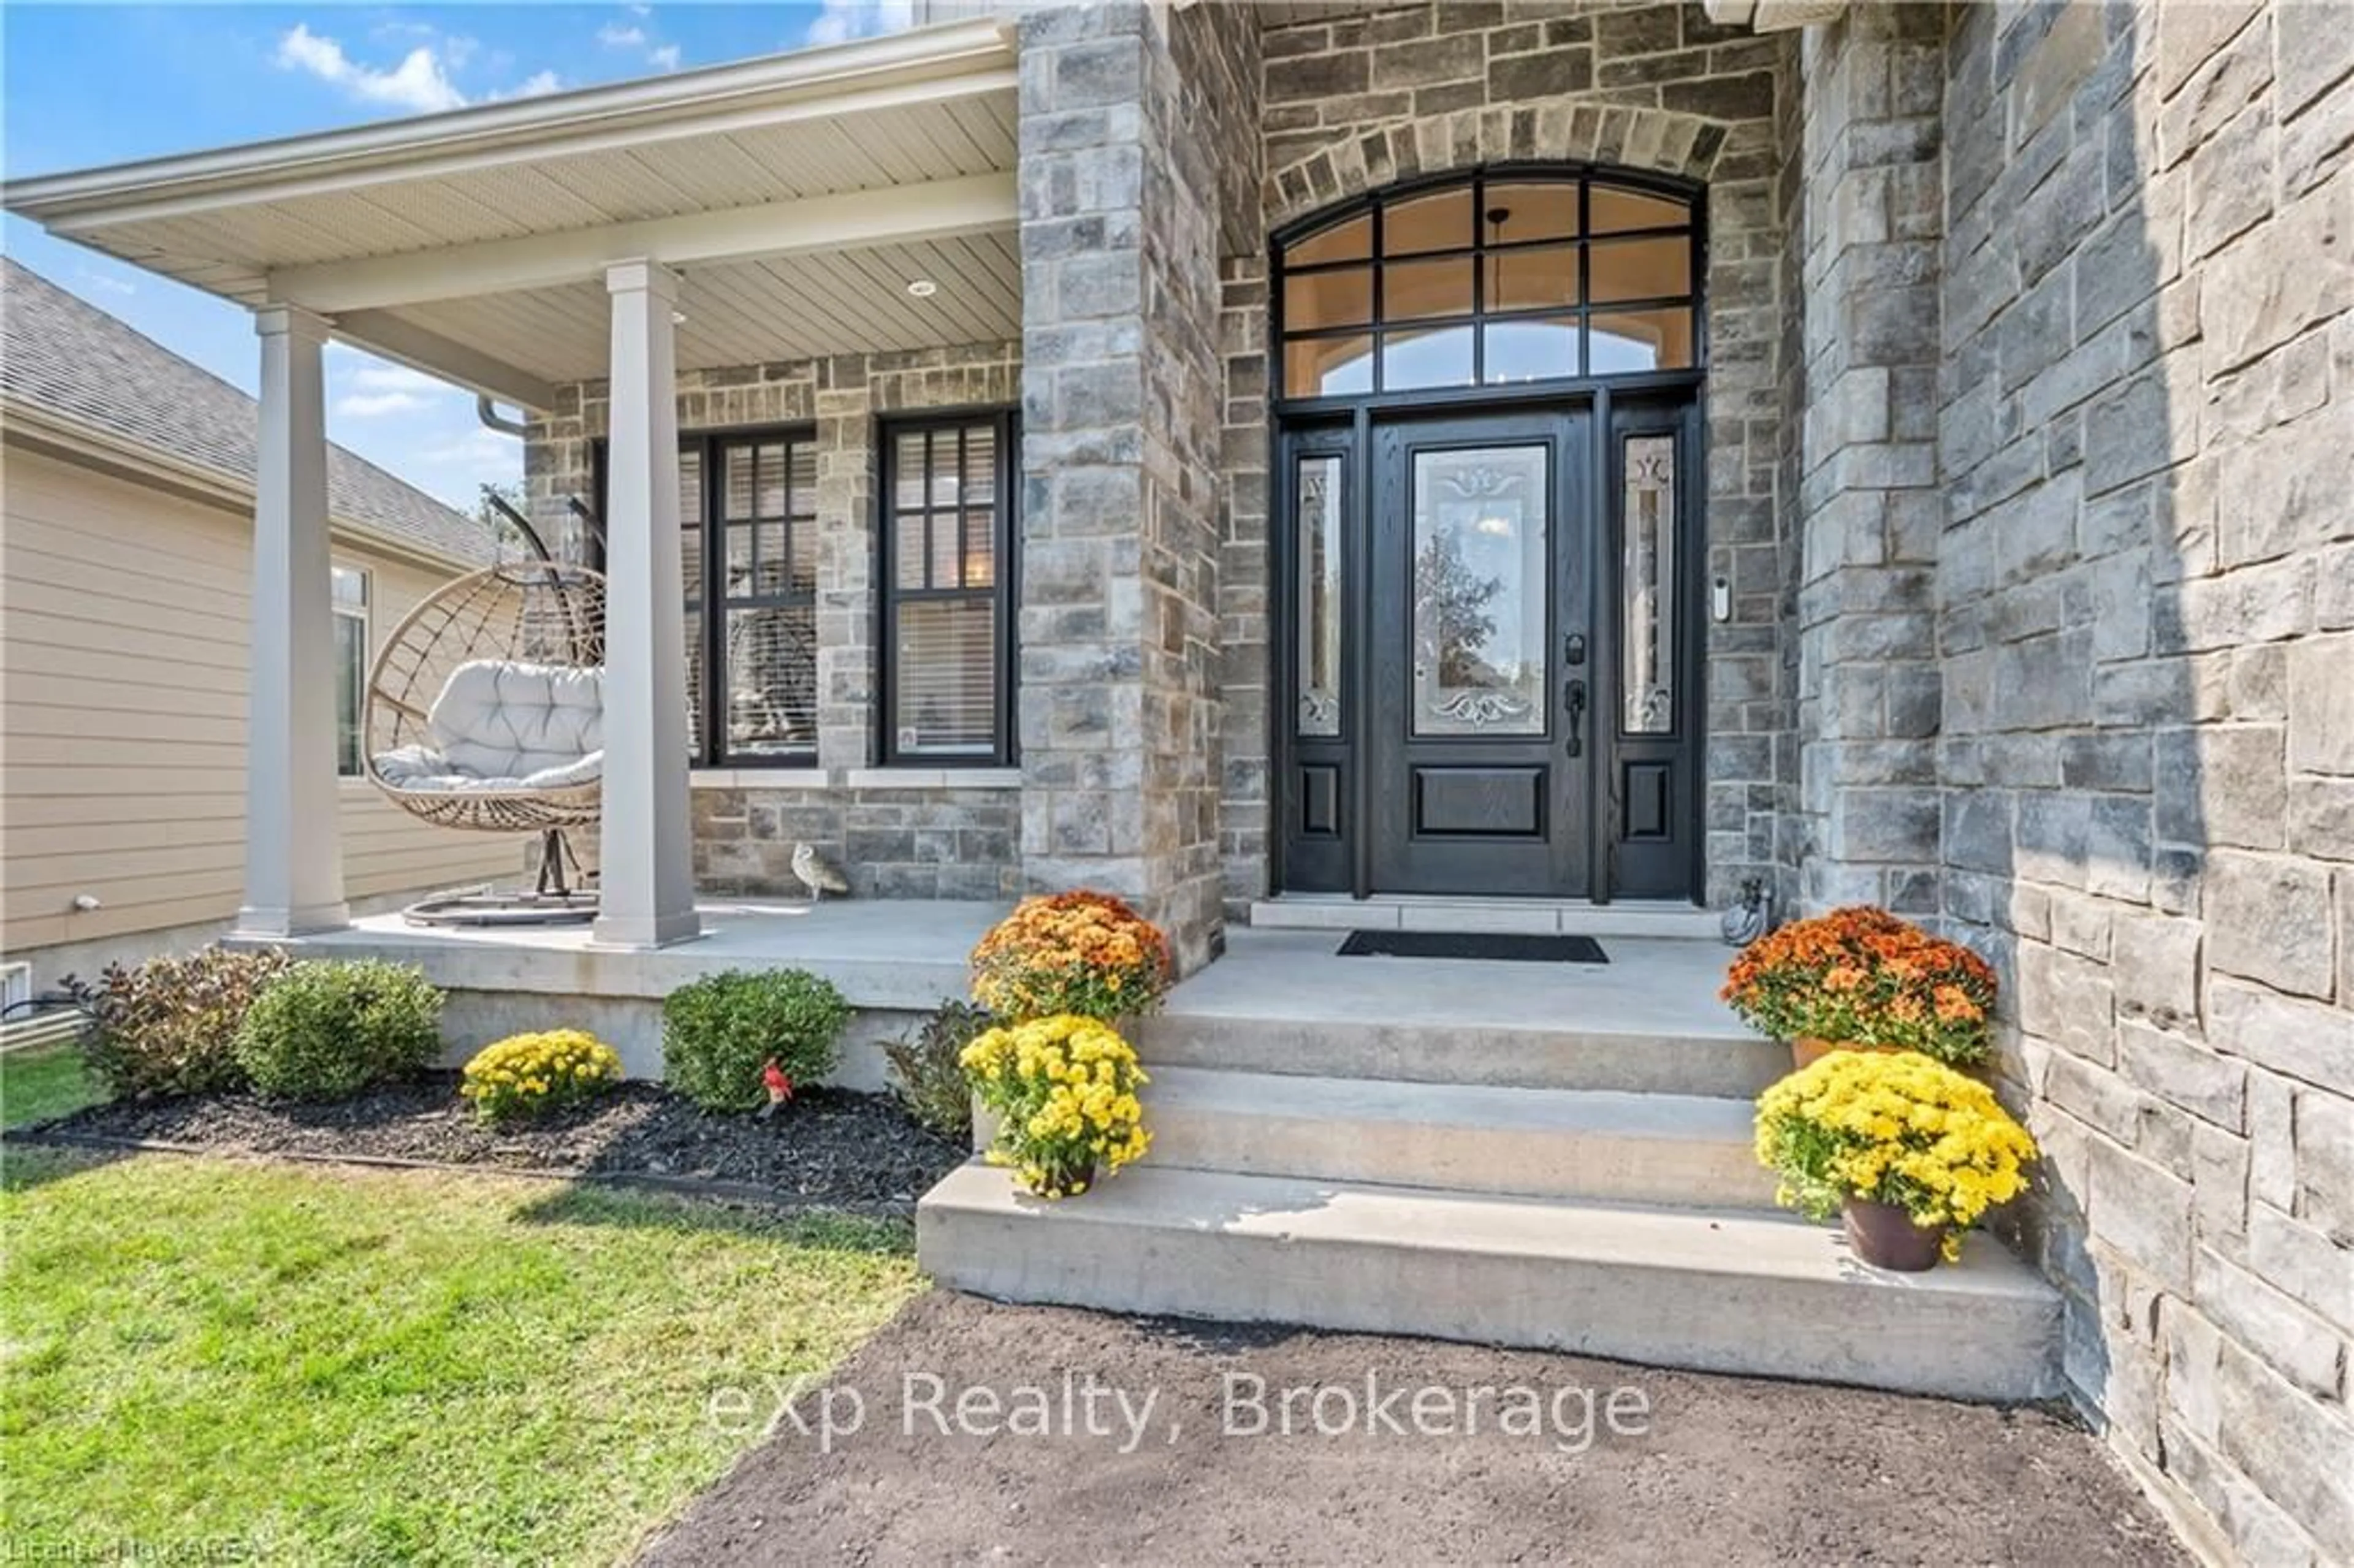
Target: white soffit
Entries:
(809, 186)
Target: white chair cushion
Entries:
(499, 720)
(419, 767)
(504, 725)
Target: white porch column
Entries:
(646, 892)
(293, 844)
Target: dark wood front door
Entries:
(1491, 623)
(1481, 580)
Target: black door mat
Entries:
(1512, 946)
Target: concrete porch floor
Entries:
(893, 958)
(898, 954)
(1652, 985)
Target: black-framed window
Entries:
(1494, 280)
(946, 549)
(747, 558)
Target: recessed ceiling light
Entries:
(922, 288)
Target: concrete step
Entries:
(1732, 1064)
(1545, 1143)
(1574, 916)
(1726, 1292)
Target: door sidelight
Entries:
(1573, 696)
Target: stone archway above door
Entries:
(1569, 130)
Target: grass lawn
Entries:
(39, 1084)
(324, 1365)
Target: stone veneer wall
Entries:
(2145, 593)
(1870, 195)
(1355, 103)
(898, 834)
(1124, 178)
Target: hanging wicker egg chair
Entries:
(485, 711)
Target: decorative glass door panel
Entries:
(1482, 530)
(1647, 576)
(1474, 755)
(1317, 503)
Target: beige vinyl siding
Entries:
(123, 671)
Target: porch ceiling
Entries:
(798, 196)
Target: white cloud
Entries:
(614, 35)
(376, 404)
(381, 377)
(665, 58)
(105, 284)
(538, 84)
(419, 83)
(843, 20)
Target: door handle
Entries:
(1574, 697)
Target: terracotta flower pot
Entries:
(1885, 1236)
(1806, 1050)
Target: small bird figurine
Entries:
(815, 874)
(781, 1087)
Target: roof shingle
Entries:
(68, 357)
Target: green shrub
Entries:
(169, 1026)
(721, 1031)
(927, 1067)
(527, 1075)
(325, 1031)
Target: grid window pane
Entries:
(944, 678)
(909, 539)
(771, 570)
(980, 466)
(1539, 348)
(1556, 255)
(909, 469)
(1314, 300)
(1546, 210)
(1441, 221)
(771, 697)
(948, 556)
(980, 550)
(769, 498)
(1329, 366)
(690, 488)
(803, 499)
(1615, 211)
(1625, 341)
(1417, 290)
(1439, 356)
(943, 624)
(1542, 278)
(1641, 270)
(736, 500)
(1350, 242)
(802, 555)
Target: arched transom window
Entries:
(1492, 281)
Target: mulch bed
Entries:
(828, 1149)
(1728, 1471)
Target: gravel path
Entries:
(1722, 1471)
(828, 1149)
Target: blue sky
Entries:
(89, 84)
